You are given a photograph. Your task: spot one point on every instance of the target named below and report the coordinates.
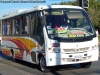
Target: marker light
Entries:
(49, 48)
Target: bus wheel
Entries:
(43, 66)
(86, 65)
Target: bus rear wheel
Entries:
(43, 66)
(86, 65)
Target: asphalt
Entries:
(6, 69)
(9, 70)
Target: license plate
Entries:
(78, 57)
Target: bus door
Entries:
(35, 35)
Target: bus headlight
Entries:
(56, 50)
(94, 47)
(55, 44)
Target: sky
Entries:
(10, 7)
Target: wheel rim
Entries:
(43, 64)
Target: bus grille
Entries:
(84, 49)
(76, 50)
(75, 60)
(69, 50)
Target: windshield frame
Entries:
(83, 11)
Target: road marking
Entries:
(14, 68)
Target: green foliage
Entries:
(99, 38)
(93, 10)
(66, 3)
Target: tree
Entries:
(94, 11)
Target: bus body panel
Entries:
(72, 53)
(22, 47)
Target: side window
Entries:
(13, 26)
(33, 23)
(40, 29)
(5, 27)
(25, 24)
(8, 27)
(39, 26)
(17, 25)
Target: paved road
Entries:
(8, 67)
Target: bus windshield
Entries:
(68, 23)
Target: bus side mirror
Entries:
(43, 20)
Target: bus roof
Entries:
(41, 7)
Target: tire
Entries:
(86, 65)
(43, 66)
